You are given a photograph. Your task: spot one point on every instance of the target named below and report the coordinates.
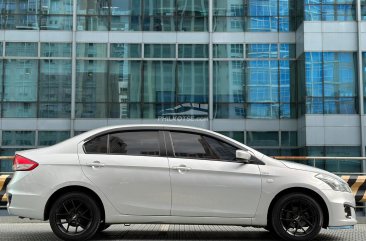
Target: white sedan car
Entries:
(174, 175)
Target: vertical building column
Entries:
(73, 68)
(210, 64)
(360, 86)
(360, 80)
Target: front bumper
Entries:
(341, 208)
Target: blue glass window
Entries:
(262, 24)
(175, 88)
(313, 12)
(346, 12)
(284, 24)
(285, 7)
(263, 7)
(286, 82)
(21, 80)
(159, 50)
(314, 105)
(126, 15)
(91, 50)
(193, 51)
(120, 50)
(262, 86)
(328, 13)
(287, 51)
(262, 81)
(314, 74)
(21, 49)
(36, 14)
(331, 83)
(55, 49)
(347, 166)
(236, 135)
(363, 9)
(124, 92)
(91, 88)
(253, 15)
(18, 138)
(262, 51)
(339, 75)
(48, 138)
(159, 85)
(330, 10)
(263, 111)
(193, 81)
(288, 138)
(228, 51)
(55, 88)
(268, 138)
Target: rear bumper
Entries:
(25, 205)
(25, 199)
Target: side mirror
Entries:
(243, 156)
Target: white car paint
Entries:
(155, 190)
(128, 189)
(215, 189)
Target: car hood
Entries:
(302, 167)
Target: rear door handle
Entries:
(181, 169)
(95, 164)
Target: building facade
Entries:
(287, 77)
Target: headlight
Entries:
(335, 183)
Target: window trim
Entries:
(166, 141)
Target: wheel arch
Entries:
(303, 190)
(73, 188)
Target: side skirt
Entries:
(121, 219)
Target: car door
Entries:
(131, 169)
(207, 182)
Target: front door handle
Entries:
(182, 169)
(95, 164)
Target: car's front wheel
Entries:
(297, 216)
(75, 216)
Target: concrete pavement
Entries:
(15, 229)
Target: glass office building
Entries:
(287, 77)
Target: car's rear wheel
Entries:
(297, 216)
(75, 216)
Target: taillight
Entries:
(21, 163)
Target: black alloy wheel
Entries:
(297, 217)
(75, 216)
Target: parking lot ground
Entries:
(13, 228)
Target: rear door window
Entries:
(141, 143)
(98, 145)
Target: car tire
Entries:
(102, 227)
(75, 216)
(297, 217)
(269, 228)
